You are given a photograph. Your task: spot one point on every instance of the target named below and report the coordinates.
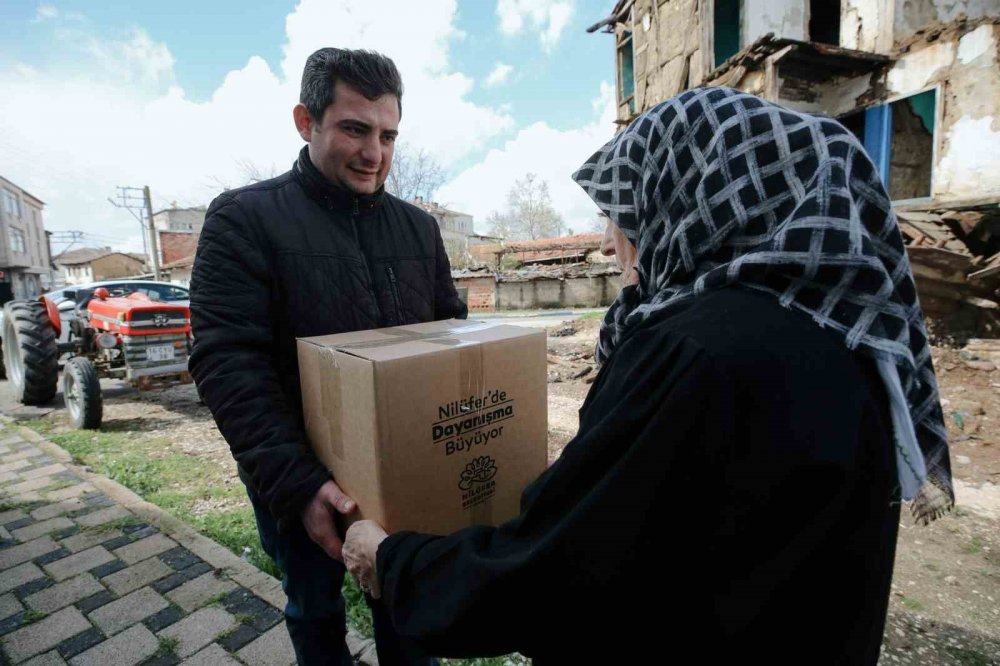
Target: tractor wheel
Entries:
(29, 352)
(82, 391)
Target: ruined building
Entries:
(918, 81)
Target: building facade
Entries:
(180, 219)
(25, 260)
(918, 82)
(86, 265)
(457, 231)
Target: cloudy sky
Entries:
(179, 95)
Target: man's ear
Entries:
(303, 122)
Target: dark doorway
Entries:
(824, 21)
(727, 29)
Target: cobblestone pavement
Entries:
(92, 575)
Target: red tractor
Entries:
(131, 338)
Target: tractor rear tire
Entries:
(82, 392)
(30, 351)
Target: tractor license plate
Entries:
(160, 353)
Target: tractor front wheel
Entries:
(82, 391)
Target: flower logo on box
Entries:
(480, 470)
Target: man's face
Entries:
(353, 144)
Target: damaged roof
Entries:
(809, 60)
(954, 250)
(539, 272)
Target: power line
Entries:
(138, 202)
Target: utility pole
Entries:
(152, 233)
(136, 200)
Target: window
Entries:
(155, 291)
(899, 138)
(162, 292)
(626, 73)
(727, 29)
(11, 204)
(824, 21)
(17, 240)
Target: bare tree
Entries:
(249, 173)
(253, 172)
(529, 214)
(598, 224)
(414, 173)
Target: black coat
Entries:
(731, 497)
(294, 257)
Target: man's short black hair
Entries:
(371, 73)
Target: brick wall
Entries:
(177, 245)
(479, 293)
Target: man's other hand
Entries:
(318, 518)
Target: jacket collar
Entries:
(335, 198)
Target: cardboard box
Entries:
(429, 427)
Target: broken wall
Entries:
(912, 154)
(834, 98)
(784, 18)
(667, 56)
(963, 63)
(966, 66)
(911, 15)
(866, 25)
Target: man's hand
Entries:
(319, 514)
(360, 549)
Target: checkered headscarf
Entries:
(716, 187)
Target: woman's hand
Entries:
(360, 548)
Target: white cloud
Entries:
(136, 60)
(552, 154)
(45, 12)
(547, 17)
(499, 75)
(114, 116)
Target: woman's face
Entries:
(617, 245)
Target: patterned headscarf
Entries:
(717, 187)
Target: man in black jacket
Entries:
(321, 249)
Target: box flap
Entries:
(386, 344)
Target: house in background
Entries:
(564, 272)
(178, 230)
(180, 219)
(457, 231)
(178, 271)
(87, 264)
(25, 262)
(918, 81)
(563, 250)
(177, 245)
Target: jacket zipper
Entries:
(355, 211)
(395, 295)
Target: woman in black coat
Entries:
(766, 400)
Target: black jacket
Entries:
(732, 491)
(293, 257)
